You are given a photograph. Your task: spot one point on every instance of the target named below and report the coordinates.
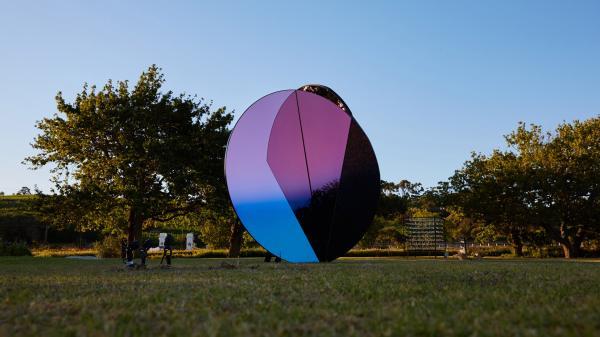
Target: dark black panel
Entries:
(357, 195)
(316, 219)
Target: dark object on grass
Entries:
(226, 265)
(269, 256)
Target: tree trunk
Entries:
(518, 249)
(134, 230)
(566, 249)
(570, 242)
(236, 239)
(517, 243)
(571, 248)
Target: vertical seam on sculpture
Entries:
(333, 213)
(303, 144)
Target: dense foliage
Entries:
(544, 188)
(126, 159)
(123, 157)
(14, 249)
(394, 206)
(19, 220)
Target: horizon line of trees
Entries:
(127, 159)
(543, 189)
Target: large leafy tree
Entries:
(564, 179)
(491, 191)
(546, 182)
(126, 156)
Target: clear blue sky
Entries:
(428, 81)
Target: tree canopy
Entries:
(544, 184)
(123, 157)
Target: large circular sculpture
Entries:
(302, 175)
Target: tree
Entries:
(24, 191)
(394, 198)
(125, 157)
(460, 226)
(393, 205)
(564, 179)
(546, 184)
(491, 192)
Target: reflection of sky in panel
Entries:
(286, 155)
(325, 127)
(256, 195)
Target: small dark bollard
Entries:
(168, 249)
(269, 256)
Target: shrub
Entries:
(390, 236)
(484, 251)
(110, 246)
(63, 251)
(14, 249)
(211, 253)
(215, 233)
(374, 252)
(544, 252)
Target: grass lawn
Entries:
(350, 297)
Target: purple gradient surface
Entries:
(247, 149)
(286, 155)
(255, 193)
(325, 128)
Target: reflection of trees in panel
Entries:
(321, 204)
(328, 94)
(316, 218)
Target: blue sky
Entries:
(429, 81)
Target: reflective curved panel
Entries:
(302, 175)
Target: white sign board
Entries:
(161, 240)
(189, 241)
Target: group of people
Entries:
(128, 251)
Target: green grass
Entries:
(350, 297)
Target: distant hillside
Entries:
(19, 220)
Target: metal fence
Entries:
(425, 234)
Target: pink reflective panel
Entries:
(286, 155)
(325, 128)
